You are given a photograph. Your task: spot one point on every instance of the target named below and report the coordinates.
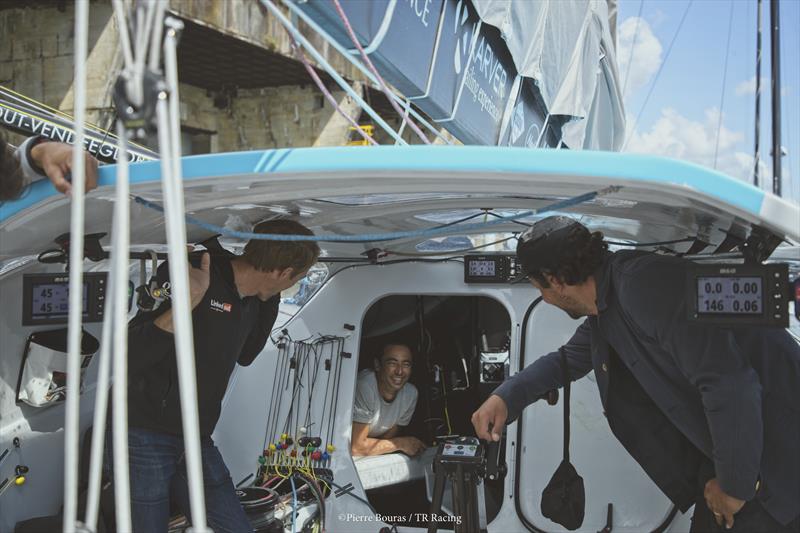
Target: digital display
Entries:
(730, 295)
(483, 268)
(51, 300)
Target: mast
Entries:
(757, 153)
(774, 11)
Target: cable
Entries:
(311, 72)
(724, 81)
(381, 83)
(658, 73)
(291, 5)
(633, 45)
(376, 237)
(278, 14)
(294, 504)
(642, 244)
(434, 254)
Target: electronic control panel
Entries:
(738, 294)
(490, 268)
(45, 298)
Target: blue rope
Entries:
(376, 237)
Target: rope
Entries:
(286, 23)
(376, 237)
(633, 45)
(311, 72)
(658, 74)
(724, 80)
(375, 73)
(75, 329)
(302, 15)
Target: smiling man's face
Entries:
(395, 368)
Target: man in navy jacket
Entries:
(234, 303)
(712, 414)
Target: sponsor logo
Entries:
(221, 307)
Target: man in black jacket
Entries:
(235, 302)
(712, 414)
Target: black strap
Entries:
(565, 371)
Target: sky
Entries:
(689, 85)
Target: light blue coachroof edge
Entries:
(490, 159)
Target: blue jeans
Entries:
(158, 476)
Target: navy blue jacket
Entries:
(676, 392)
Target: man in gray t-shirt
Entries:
(385, 401)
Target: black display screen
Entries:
(51, 300)
(730, 295)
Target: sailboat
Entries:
(424, 254)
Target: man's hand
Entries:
(199, 279)
(722, 505)
(490, 418)
(56, 161)
(409, 445)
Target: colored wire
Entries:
(294, 504)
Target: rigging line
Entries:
(375, 237)
(724, 81)
(436, 254)
(757, 125)
(658, 73)
(381, 83)
(633, 45)
(292, 29)
(298, 51)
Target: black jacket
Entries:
(227, 330)
(675, 391)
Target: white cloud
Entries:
(642, 65)
(676, 136)
(748, 87)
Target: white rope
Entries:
(169, 139)
(72, 409)
(286, 23)
(101, 391)
(353, 61)
(122, 491)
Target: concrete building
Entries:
(241, 86)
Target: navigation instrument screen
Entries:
(51, 300)
(482, 268)
(45, 298)
(730, 295)
(738, 294)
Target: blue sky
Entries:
(681, 117)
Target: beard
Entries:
(572, 307)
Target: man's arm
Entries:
(711, 360)
(362, 445)
(546, 374)
(259, 335)
(150, 336)
(42, 159)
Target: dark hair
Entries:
(11, 179)
(267, 256)
(572, 258)
(394, 343)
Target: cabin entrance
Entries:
(444, 354)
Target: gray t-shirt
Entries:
(370, 407)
